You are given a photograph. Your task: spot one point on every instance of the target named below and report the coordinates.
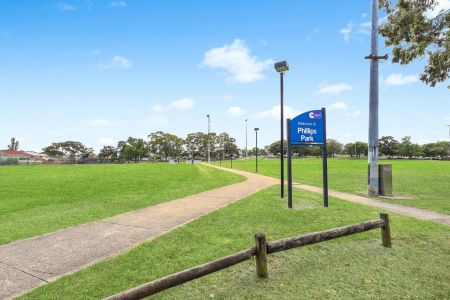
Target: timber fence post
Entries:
(261, 255)
(386, 231)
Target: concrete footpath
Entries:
(28, 263)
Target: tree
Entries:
(408, 149)
(388, 146)
(274, 148)
(196, 144)
(362, 148)
(165, 144)
(54, 150)
(132, 149)
(14, 144)
(230, 147)
(333, 147)
(357, 149)
(220, 141)
(87, 153)
(156, 143)
(175, 145)
(415, 31)
(350, 149)
(108, 152)
(434, 150)
(72, 149)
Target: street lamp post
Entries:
(209, 144)
(246, 134)
(256, 132)
(281, 67)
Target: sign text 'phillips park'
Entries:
(307, 128)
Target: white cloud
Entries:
(65, 7)
(399, 79)
(361, 28)
(346, 31)
(236, 111)
(337, 106)
(273, 113)
(354, 114)
(155, 119)
(364, 27)
(118, 4)
(117, 62)
(363, 15)
(227, 97)
(235, 58)
(106, 141)
(98, 122)
(334, 89)
(442, 5)
(181, 104)
(447, 118)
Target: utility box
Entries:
(385, 180)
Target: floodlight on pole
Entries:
(246, 134)
(209, 144)
(281, 67)
(256, 132)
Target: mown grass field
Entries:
(354, 267)
(427, 181)
(39, 199)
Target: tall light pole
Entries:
(209, 144)
(246, 134)
(256, 132)
(281, 67)
(373, 188)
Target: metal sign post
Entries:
(308, 129)
(289, 162)
(324, 160)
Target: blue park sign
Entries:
(307, 128)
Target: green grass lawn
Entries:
(40, 199)
(354, 267)
(427, 181)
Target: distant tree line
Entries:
(388, 147)
(159, 146)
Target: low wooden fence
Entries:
(261, 250)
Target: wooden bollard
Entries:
(386, 231)
(261, 255)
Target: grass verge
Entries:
(427, 181)
(354, 267)
(41, 199)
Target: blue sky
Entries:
(100, 71)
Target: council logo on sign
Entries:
(315, 115)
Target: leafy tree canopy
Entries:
(416, 29)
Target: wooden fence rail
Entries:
(261, 250)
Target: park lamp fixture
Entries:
(256, 129)
(281, 66)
